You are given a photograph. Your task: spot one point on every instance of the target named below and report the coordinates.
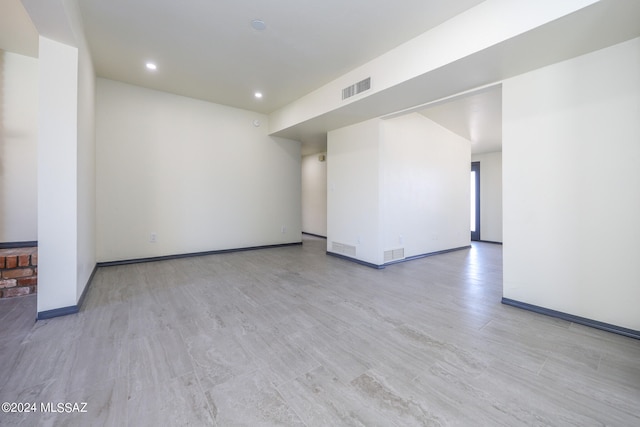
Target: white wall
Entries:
(397, 183)
(571, 149)
(314, 194)
(425, 180)
(198, 174)
(353, 201)
(18, 148)
(57, 175)
(86, 153)
(490, 195)
(66, 165)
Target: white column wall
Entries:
(57, 175)
(66, 156)
(86, 157)
(571, 175)
(425, 180)
(397, 183)
(353, 201)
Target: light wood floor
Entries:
(290, 336)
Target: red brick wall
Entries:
(18, 272)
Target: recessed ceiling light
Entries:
(151, 66)
(258, 95)
(258, 24)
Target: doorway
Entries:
(474, 187)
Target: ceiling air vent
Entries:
(357, 88)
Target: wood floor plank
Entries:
(290, 336)
(259, 403)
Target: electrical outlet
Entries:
(400, 239)
(283, 229)
(153, 237)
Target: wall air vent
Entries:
(342, 249)
(356, 88)
(393, 255)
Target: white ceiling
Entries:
(475, 116)
(206, 49)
